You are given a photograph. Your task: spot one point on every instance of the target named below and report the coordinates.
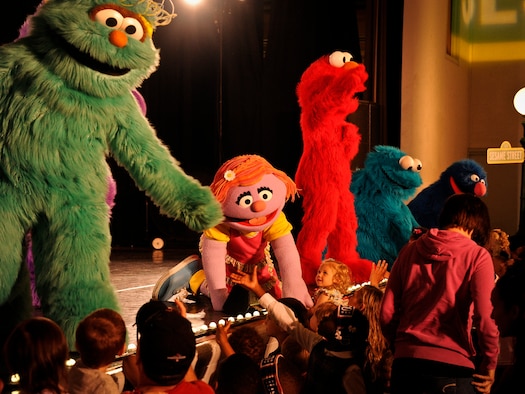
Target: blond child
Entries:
(333, 280)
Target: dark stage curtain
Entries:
(226, 86)
(227, 77)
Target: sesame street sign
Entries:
(505, 154)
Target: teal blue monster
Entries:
(381, 188)
(65, 106)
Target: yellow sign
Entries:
(505, 154)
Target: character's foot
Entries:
(177, 278)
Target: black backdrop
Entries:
(225, 86)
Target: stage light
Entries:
(192, 2)
(519, 101)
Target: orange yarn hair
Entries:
(246, 170)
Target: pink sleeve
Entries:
(481, 288)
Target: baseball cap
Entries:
(166, 342)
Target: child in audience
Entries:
(238, 374)
(508, 299)
(499, 248)
(279, 375)
(379, 357)
(37, 351)
(336, 350)
(165, 352)
(333, 280)
(100, 337)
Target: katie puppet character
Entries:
(65, 105)
(253, 194)
(462, 176)
(389, 178)
(327, 95)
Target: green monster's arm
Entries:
(136, 147)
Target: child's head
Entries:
(334, 275)
(499, 248)
(166, 342)
(37, 351)
(238, 374)
(100, 337)
(366, 298)
(323, 310)
(346, 328)
(467, 212)
(248, 341)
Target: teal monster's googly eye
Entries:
(133, 28)
(406, 162)
(417, 165)
(110, 18)
(475, 178)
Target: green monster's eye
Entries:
(133, 28)
(109, 17)
(113, 19)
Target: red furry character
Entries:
(327, 94)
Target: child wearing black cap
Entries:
(165, 351)
(336, 350)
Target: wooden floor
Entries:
(134, 274)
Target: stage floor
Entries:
(134, 274)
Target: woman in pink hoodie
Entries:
(438, 292)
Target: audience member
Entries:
(285, 364)
(336, 350)
(100, 337)
(499, 248)
(247, 340)
(508, 299)
(435, 284)
(238, 374)
(165, 352)
(379, 357)
(243, 340)
(279, 375)
(379, 273)
(332, 280)
(37, 351)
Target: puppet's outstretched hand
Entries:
(213, 255)
(202, 210)
(290, 269)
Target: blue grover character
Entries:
(463, 176)
(385, 224)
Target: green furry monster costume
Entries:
(65, 104)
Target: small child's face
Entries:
(325, 276)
